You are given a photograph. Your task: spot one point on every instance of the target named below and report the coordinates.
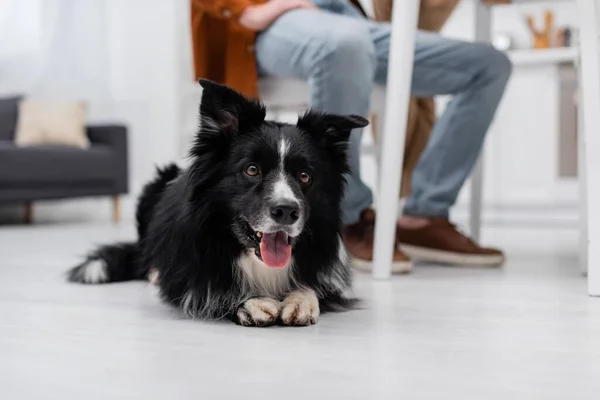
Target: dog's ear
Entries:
(224, 113)
(227, 112)
(331, 133)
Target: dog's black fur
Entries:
(197, 226)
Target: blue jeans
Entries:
(342, 54)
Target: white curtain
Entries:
(122, 57)
(54, 49)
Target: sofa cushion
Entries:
(49, 165)
(9, 112)
(51, 123)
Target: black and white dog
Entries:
(251, 231)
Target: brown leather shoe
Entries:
(359, 242)
(441, 242)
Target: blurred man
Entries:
(342, 54)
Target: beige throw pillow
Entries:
(58, 123)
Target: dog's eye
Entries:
(252, 170)
(304, 177)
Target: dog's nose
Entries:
(285, 213)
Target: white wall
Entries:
(144, 65)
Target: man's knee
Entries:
(349, 51)
(496, 64)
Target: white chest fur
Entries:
(259, 280)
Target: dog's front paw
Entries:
(260, 311)
(300, 308)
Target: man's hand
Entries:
(258, 18)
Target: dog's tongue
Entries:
(275, 249)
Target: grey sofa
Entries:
(56, 172)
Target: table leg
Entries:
(590, 86)
(403, 30)
(581, 175)
(475, 207)
(483, 33)
(582, 183)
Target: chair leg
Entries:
(393, 135)
(374, 132)
(28, 213)
(373, 118)
(476, 200)
(116, 209)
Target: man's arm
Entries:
(225, 9)
(255, 15)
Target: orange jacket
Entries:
(223, 49)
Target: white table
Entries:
(404, 26)
(590, 140)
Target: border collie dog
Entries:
(251, 231)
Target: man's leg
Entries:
(476, 74)
(332, 49)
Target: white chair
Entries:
(589, 141)
(286, 94)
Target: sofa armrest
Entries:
(114, 136)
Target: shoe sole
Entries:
(398, 267)
(448, 257)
